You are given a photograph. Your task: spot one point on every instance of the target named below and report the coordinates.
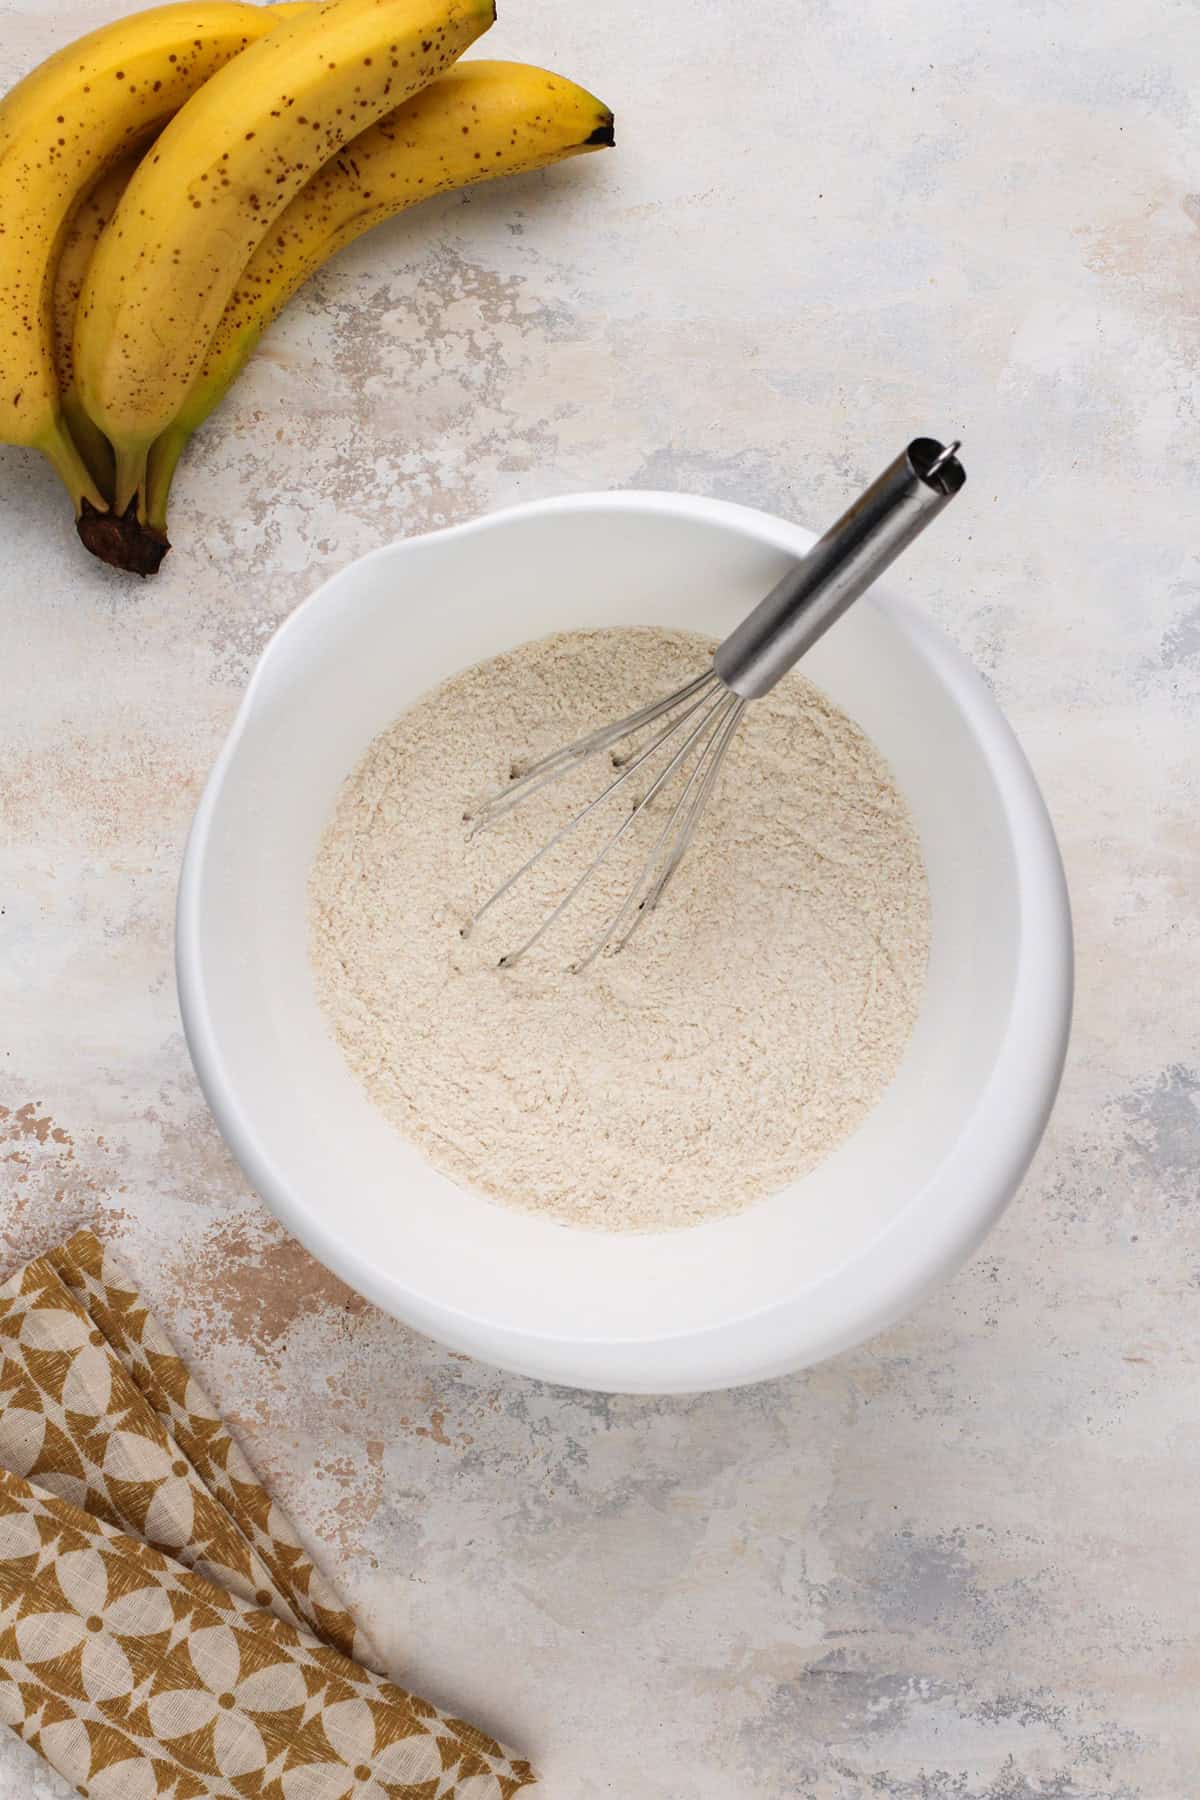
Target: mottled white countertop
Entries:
(957, 1564)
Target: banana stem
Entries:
(59, 448)
(91, 441)
(129, 486)
(160, 472)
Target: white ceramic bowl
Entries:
(794, 1278)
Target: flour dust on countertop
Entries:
(746, 1029)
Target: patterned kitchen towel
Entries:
(164, 1635)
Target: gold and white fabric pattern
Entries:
(164, 1635)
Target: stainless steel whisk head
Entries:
(694, 762)
(697, 723)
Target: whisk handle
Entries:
(853, 553)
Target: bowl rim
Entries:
(942, 1221)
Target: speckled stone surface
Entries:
(959, 1563)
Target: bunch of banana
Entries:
(60, 129)
(167, 184)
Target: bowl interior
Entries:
(489, 1279)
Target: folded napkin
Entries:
(164, 1635)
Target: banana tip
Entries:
(121, 539)
(605, 133)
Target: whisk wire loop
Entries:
(725, 716)
(683, 842)
(561, 762)
(700, 694)
(656, 786)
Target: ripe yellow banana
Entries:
(208, 192)
(82, 236)
(60, 128)
(477, 121)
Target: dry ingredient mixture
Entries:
(747, 1027)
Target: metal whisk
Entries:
(699, 720)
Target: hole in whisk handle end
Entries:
(937, 464)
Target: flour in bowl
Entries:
(750, 1024)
